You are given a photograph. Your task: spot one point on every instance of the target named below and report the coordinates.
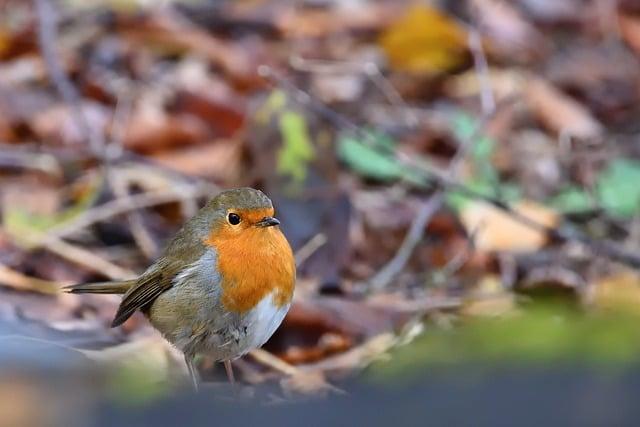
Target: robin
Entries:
(221, 287)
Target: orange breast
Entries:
(254, 263)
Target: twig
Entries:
(275, 363)
(369, 69)
(267, 359)
(21, 282)
(86, 259)
(47, 36)
(309, 248)
(413, 237)
(357, 357)
(121, 206)
(41, 162)
(141, 235)
(481, 66)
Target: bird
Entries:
(221, 286)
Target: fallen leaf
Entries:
(617, 188)
(510, 35)
(630, 29)
(60, 124)
(220, 160)
(151, 130)
(497, 231)
(425, 41)
(560, 113)
(619, 291)
(297, 148)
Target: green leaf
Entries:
(297, 150)
(481, 148)
(572, 200)
(371, 161)
(618, 188)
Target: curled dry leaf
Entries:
(497, 231)
(560, 113)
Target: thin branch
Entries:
(47, 37)
(413, 237)
(21, 282)
(87, 259)
(481, 66)
(121, 206)
(309, 248)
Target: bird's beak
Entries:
(268, 221)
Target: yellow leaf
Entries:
(497, 231)
(619, 291)
(424, 41)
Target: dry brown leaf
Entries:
(59, 123)
(171, 32)
(630, 29)
(497, 231)
(510, 34)
(309, 22)
(505, 83)
(220, 160)
(560, 113)
(147, 133)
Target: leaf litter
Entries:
(541, 195)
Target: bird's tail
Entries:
(115, 287)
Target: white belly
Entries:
(248, 332)
(263, 321)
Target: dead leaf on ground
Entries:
(497, 231)
(630, 30)
(344, 16)
(61, 125)
(153, 130)
(219, 160)
(559, 112)
(425, 41)
(510, 35)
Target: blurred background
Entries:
(460, 182)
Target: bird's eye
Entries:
(234, 219)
